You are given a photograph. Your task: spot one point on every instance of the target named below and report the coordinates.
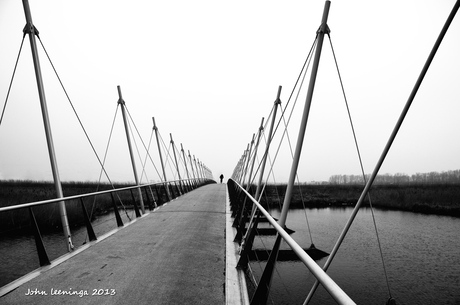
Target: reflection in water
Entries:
(19, 254)
(421, 255)
(420, 251)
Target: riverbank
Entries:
(13, 192)
(441, 199)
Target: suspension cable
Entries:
(73, 108)
(168, 155)
(362, 167)
(297, 176)
(143, 143)
(302, 71)
(301, 76)
(12, 78)
(147, 155)
(83, 128)
(134, 140)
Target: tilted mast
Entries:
(32, 31)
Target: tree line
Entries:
(447, 177)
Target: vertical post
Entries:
(177, 164)
(267, 148)
(243, 167)
(121, 102)
(185, 162)
(240, 218)
(255, 151)
(250, 146)
(32, 31)
(295, 162)
(203, 170)
(41, 250)
(200, 170)
(198, 174)
(388, 145)
(115, 210)
(261, 294)
(193, 172)
(155, 128)
(89, 227)
(245, 245)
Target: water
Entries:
(18, 252)
(421, 255)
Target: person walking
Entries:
(221, 177)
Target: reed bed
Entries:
(13, 192)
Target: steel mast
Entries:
(121, 102)
(32, 31)
(155, 128)
(262, 291)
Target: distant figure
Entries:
(221, 177)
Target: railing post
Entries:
(148, 198)
(89, 227)
(332, 288)
(159, 195)
(117, 214)
(121, 102)
(136, 209)
(42, 255)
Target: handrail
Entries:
(334, 290)
(73, 197)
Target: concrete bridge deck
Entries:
(175, 255)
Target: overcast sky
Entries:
(208, 71)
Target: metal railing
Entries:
(334, 290)
(155, 194)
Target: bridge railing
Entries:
(155, 194)
(238, 195)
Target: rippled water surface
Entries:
(18, 252)
(421, 253)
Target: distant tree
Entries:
(448, 177)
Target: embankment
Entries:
(431, 199)
(13, 192)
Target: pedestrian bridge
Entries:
(175, 254)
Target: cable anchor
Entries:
(29, 28)
(323, 29)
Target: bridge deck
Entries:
(175, 255)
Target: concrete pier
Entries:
(174, 255)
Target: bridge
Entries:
(183, 251)
(175, 254)
(192, 238)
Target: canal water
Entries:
(421, 253)
(18, 253)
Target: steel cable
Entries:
(361, 165)
(11, 81)
(142, 141)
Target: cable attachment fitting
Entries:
(29, 28)
(323, 29)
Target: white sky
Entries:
(208, 71)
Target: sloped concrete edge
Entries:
(236, 292)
